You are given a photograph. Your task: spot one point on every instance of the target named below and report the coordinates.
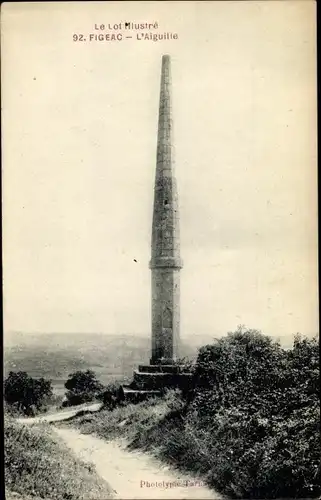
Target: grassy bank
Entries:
(250, 427)
(39, 465)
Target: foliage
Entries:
(82, 387)
(39, 465)
(26, 394)
(256, 407)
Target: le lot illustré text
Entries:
(124, 30)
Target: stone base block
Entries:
(137, 395)
(161, 368)
(162, 380)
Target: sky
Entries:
(79, 157)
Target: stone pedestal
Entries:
(137, 395)
(152, 380)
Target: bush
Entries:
(82, 387)
(26, 394)
(256, 410)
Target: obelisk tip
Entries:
(166, 58)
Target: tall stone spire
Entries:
(165, 261)
(162, 372)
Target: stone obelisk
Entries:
(165, 261)
(165, 264)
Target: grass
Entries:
(39, 465)
(126, 421)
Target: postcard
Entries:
(160, 276)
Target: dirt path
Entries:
(61, 415)
(134, 475)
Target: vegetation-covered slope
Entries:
(250, 424)
(39, 465)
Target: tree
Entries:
(82, 387)
(25, 393)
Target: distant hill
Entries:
(54, 356)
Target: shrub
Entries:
(256, 408)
